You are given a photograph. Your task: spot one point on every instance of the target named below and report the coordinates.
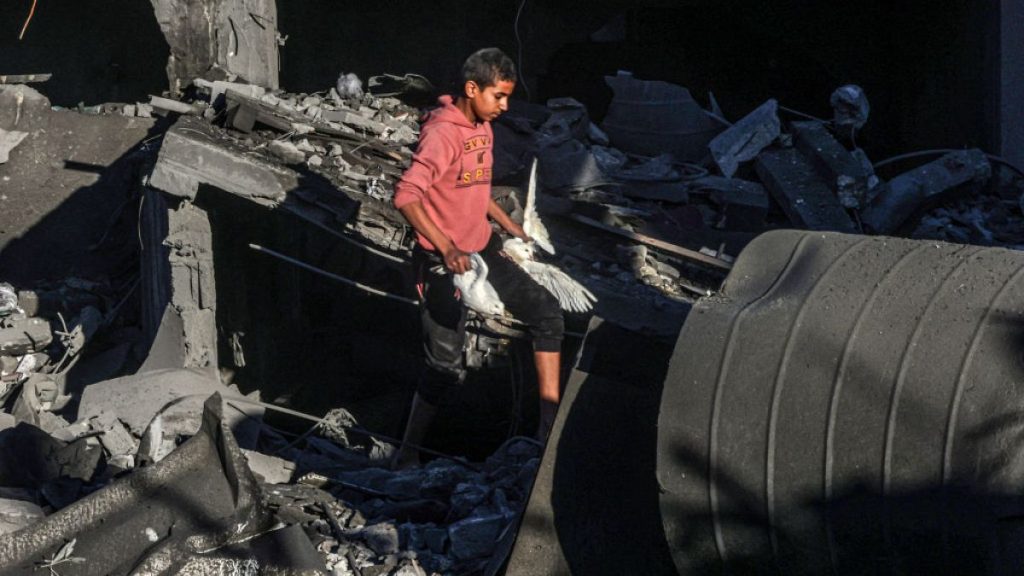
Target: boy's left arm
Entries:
(505, 221)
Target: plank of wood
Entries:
(648, 240)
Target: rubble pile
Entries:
(334, 482)
(44, 333)
(646, 210)
(447, 517)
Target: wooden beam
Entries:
(654, 242)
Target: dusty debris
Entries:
(805, 197)
(851, 179)
(647, 211)
(745, 139)
(904, 194)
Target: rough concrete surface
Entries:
(137, 398)
(61, 186)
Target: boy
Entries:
(446, 197)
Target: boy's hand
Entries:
(456, 260)
(517, 231)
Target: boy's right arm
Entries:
(456, 260)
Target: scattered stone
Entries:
(271, 469)
(747, 138)
(475, 537)
(286, 152)
(17, 514)
(381, 538)
(850, 106)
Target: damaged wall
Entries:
(219, 39)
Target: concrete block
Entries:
(381, 538)
(24, 335)
(16, 514)
(354, 119)
(136, 399)
(116, 439)
(475, 537)
(193, 153)
(744, 203)
(272, 469)
(804, 197)
(904, 194)
(745, 139)
(837, 165)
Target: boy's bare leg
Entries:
(420, 417)
(549, 365)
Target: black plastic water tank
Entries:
(849, 405)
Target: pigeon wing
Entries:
(532, 225)
(571, 295)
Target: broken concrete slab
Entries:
(804, 197)
(837, 165)
(193, 154)
(355, 120)
(67, 178)
(200, 497)
(271, 469)
(168, 105)
(745, 139)
(219, 40)
(744, 203)
(286, 152)
(114, 436)
(220, 88)
(904, 194)
(9, 140)
(17, 514)
(136, 399)
(23, 78)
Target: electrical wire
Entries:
(803, 114)
(938, 151)
(31, 11)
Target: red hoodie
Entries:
(451, 175)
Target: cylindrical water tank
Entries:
(849, 405)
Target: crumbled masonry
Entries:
(127, 415)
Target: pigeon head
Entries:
(518, 250)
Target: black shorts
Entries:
(444, 316)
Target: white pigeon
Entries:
(571, 295)
(477, 293)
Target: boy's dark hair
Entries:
(487, 67)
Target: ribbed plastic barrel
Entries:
(849, 405)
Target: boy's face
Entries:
(489, 102)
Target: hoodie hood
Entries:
(447, 112)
